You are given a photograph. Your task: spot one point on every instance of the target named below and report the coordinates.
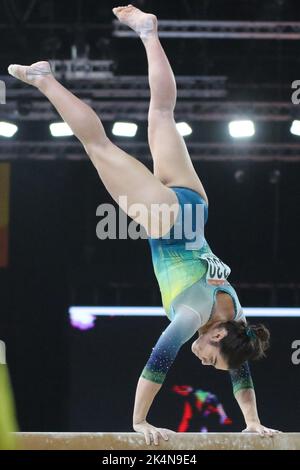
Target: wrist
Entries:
(250, 421)
(138, 421)
(137, 424)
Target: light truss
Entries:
(286, 30)
(216, 152)
(39, 109)
(219, 30)
(93, 78)
(127, 97)
(82, 69)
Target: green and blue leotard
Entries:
(184, 264)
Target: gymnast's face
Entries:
(206, 348)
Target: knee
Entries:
(157, 118)
(161, 113)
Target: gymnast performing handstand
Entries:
(193, 281)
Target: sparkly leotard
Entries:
(185, 266)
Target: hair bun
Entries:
(243, 342)
(262, 334)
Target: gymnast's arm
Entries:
(244, 393)
(181, 329)
(245, 396)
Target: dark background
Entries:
(105, 367)
(56, 260)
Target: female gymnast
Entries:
(193, 282)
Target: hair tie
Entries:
(250, 333)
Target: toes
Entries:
(118, 10)
(12, 69)
(29, 74)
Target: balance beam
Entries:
(134, 441)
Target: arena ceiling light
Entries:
(184, 129)
(7, 129)
(60, 129)
(295, 127)
(124, 129)
(241, 129)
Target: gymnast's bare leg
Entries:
(172, 163)
(121, 174)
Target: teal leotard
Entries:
(184, 266)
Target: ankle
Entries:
(43, 82)
(149, 37)
(148, 28)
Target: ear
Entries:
(218, 334)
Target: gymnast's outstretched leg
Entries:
(172, 163)
(121, 174)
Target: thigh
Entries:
(135, 189)
(172, 162)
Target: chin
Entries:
(196, 351)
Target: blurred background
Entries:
(234, 60)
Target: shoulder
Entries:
(240, 317)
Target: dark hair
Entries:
(243, 342)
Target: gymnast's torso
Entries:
(186, 269)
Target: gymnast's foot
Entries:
(34, 74)
(144, 24)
